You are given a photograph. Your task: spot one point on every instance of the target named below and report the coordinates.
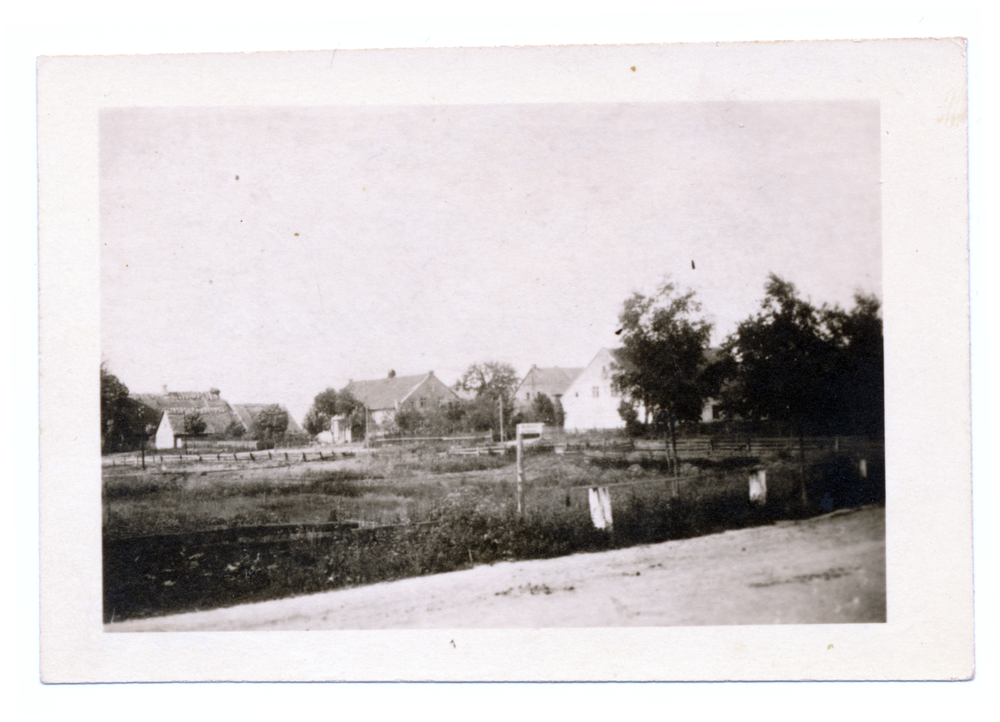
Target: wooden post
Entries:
(863, 468)
(501, 422)
(520, 468)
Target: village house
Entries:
(384, 398)
(248, 414)
(552, 382)
(174, 406)
(592, 402)
(167, 412)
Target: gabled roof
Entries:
(248, 413)
(549, 381)
(383, 394)
(214, 411)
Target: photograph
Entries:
(322, 330)
(540, 363)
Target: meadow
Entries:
(210, 535)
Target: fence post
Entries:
(251, 457)
(286, 456)
(863, 468)
(520, 473)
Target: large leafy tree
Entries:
(122, 424)
(271, 423)
(662, 360)
(809, 369)
(329, 403)
(859, 383)
(493, 383)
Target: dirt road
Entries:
(829, 569)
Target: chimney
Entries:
(430, 373)
(164, 388)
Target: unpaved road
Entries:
(825, 570)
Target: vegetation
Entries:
(494, 383)
(194, 423)
(402, 514)
(661, 363)
(124, 421)
(811, 370)
(271, 423)
(330, 403)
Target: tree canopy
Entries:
(271, 423)
(813, 370)
(493, 383)
(122, 420)
(492, 378)
(329, 403)
(662, 360)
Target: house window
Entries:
(423, 403)
(528, 396)
(596, 391)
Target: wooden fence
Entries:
(289, 456)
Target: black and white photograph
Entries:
(436, 361)
(325, 332)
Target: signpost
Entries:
(522, 430)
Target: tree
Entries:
(491, 378)
(330, 403)
(812, 370)
(860, 366)
(123, 421)
(194, 423)
(783, 363)
(542, 410)
(493, 383)
(662, 359)
(315, 422)
(271, 423)
(235, 430)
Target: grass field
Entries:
(404, 513)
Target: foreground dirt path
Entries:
(825, 570)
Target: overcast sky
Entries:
(275, 252)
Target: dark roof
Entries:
(214, 411)
(248, 413)
(382, 394)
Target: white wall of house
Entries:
(164, 434)
(340, 430)
(590, 402)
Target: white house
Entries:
(590, 401)
(552, 382)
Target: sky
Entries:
(275, 252)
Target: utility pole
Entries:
(501, 418)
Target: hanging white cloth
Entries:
(600, 507)
(758, 487)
